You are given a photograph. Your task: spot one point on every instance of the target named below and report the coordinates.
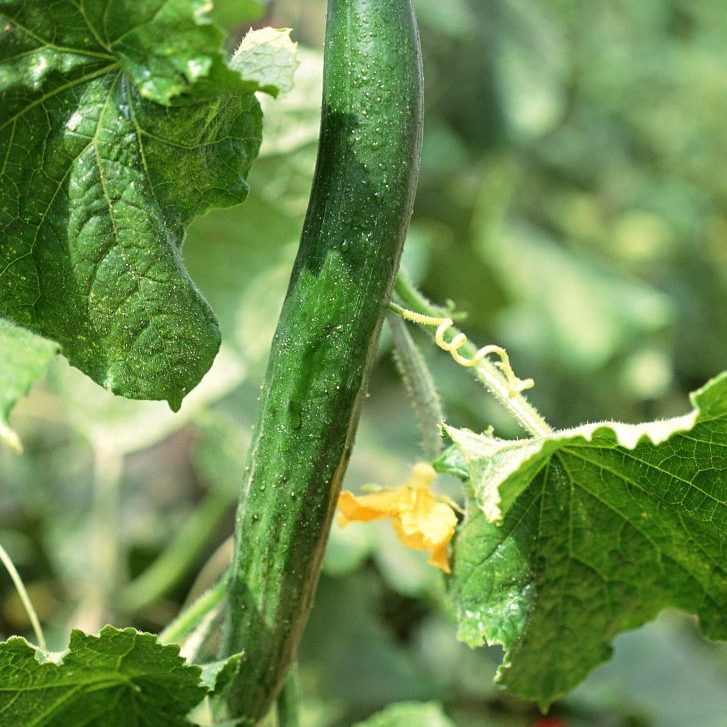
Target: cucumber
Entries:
(322, 352)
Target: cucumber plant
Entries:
(120, 123)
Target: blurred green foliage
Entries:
(573, 201)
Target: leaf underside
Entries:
(119, 123)
(573, 538)
(24, 359)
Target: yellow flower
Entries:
(421, 519)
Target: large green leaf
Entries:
(24, 358)
(573, 538)
(121, 677)
(115, 135)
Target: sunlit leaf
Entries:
(120, 123)
(573, 538)
(267, 56)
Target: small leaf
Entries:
(216, 677)
(572, 538)
(23, 358)
(121, 677)
(217, 674)
(269, 57)
(118, 128)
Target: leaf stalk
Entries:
(24, 597)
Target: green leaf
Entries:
(216, 677)
(24, 358)
(406, 714)
(217, 674)
(121, 677)
(269, 57)
(573, 538)
(99, 180)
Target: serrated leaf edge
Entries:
(629, 436)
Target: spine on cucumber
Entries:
(357, 219)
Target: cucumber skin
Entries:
(358, 215)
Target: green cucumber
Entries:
(322, 352)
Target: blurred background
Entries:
(573, 201)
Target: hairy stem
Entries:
(419, 385)
(195, 613)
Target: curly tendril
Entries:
(452, 347)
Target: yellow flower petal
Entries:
(361, 508)
(420, 519)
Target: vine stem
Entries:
(419, 384)
(24, 597)
(195, 614)
(498, 378)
